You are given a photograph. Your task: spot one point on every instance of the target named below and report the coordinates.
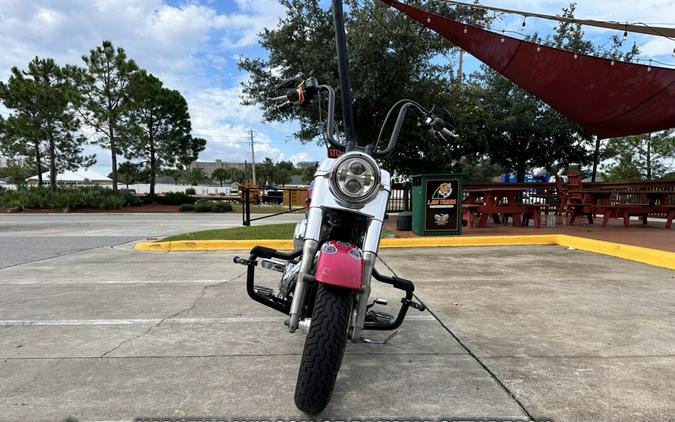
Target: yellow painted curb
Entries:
(634, 253)
(442, 241)
(649, 256)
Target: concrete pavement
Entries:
(110, 333)
(113, 333)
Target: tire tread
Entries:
(324, 347)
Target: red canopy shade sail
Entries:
(609, 98)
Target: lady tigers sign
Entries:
(442, 207)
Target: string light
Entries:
(576, 56)
(467, 30)
(428, 19)
(612, 63)
(524, 23)
(649, 67)
(502, 39)
(673, 52)
(625, 32)
(538, 48)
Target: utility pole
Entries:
(253, 159)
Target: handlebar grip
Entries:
(449, 133)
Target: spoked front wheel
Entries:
(324, 348)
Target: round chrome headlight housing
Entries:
(355, 178)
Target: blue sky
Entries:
(193, 46)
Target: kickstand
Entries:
(385, 341)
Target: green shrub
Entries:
(66, 197)
(204, 205)
(175, 198)
(190, 191)
(186, 208)
(221, 206)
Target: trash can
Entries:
(404, 221)
(437, 204)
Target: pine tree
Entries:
(158, 130)
(103, 85)
(43, 122)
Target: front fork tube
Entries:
(309, 248)
(371, 244)
(359, 315)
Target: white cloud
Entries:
(182, 45)
(301, 156)
(657, 47)
(653, 12)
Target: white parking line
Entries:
(59, 282)
(87, 322)
(121, 420)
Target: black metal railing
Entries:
(247, 198)
(400, 197)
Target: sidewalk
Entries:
(652, 235)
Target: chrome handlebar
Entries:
(309, 89)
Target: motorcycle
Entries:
(326, 281)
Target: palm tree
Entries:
(220, 174)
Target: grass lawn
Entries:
(270, 231)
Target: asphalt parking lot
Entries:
(109, 333)
(30, 237)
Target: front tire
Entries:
(324, 348)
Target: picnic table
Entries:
(625, 204)
(500, 203)
(588, 202)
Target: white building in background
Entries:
(77, 177)
(3, 162)
(161, 188)
(90, 177)
(209, 166)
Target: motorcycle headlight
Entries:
(355, 178)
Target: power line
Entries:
(639, 27)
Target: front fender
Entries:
(340, 264)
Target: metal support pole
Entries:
(246, 206)
(406, 198)
(343, 69)
(596, 158)
(253, 160)
(243, 208)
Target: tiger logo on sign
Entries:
(443, 191)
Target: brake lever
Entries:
(284, 105)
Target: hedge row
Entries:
(68, 198)
(72, 198)
(204, 205)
